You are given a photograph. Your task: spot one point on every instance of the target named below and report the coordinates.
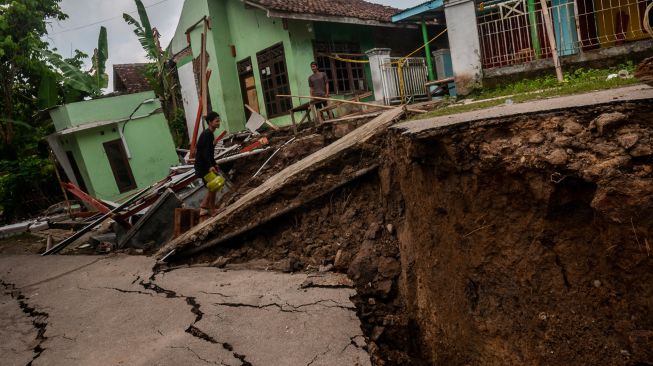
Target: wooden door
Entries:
(248, 86)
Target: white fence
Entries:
(410, 86)
(513, 32)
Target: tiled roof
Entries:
(130, 78)
(340, 8)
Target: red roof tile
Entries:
(130, 78)
(340, 8)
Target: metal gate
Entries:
(403, 79)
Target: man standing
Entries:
(205, 160)
(319, 84)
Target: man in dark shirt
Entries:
(205, 160)
(319, 84)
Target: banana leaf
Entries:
(48, 92)
(144, 31)
(73, 77)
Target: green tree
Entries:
(91, 82)
(160, 75)
(25, 170)
(22, 25)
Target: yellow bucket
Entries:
(214, 182)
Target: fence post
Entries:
(548, 25)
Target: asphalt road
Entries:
(83, 310)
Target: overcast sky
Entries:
(81, 29)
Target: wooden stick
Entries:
(266, 120)
(65, 195)
(348, 102)
(548, 26)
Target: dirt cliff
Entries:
(522, 240)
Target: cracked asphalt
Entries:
(85, 310)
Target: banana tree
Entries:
(91, 82)
(161, 76)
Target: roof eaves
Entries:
(333, 19)
(418, 10)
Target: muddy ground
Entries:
(525, 241)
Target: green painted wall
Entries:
(152, 153)
(103, 109)
(297, 43)
(148, 139)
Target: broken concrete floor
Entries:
(84, 310)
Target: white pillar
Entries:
(464, 44)
(189, 96)
(377, 57)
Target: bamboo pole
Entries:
(348, 102)
(548, 25)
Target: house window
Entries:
(344, 77)
(274, 80)
(122, 172)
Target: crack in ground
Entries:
(293, 308)
(198, 356)
(128, 291)
(319, 355)
(195, 309)
(39, 320)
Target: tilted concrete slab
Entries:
(113, 311)
(432, 126)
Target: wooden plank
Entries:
(286, 177)
(267, 122)
(276, 214)
(348, 102)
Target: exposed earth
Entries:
(511, 236)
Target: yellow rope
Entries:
(400, 63)
(349, 60)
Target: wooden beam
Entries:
(276, 214)
(548, 26)
(347, 102)
(289, 176)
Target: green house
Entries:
(258, 49)
(113, 146)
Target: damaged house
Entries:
(117, 144)
(257, 49)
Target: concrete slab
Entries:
(112, 311)
(431, 126)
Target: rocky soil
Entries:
(521, 241)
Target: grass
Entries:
(578, 81)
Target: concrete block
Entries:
(39, 226)
(14, 229)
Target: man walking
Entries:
(205, 161)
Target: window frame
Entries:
(274, 79)
(324, 53)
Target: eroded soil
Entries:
(523, 241)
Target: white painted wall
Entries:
(377, 57)
(189, 96)
(464, 44)
(62, 158)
